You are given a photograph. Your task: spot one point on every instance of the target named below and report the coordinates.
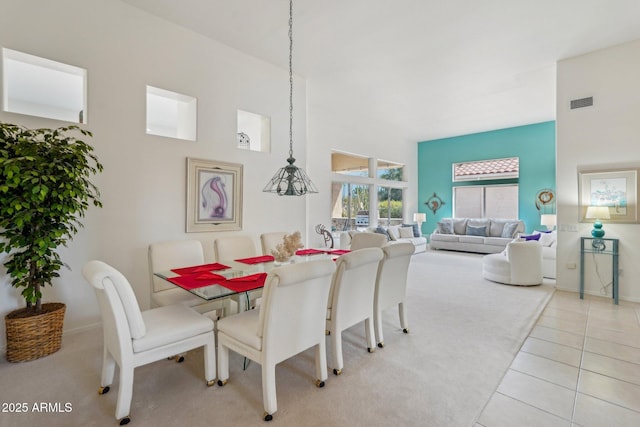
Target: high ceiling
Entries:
(433, 68)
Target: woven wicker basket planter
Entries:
(30, 337)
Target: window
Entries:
(171, 114)
(44, 88)
(254, 132)
(360, 185)
(507, 168)
(490, 201)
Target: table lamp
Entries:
(597, 213)
(420, 217)
(548, 220)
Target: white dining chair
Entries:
(166, 255)
(351, 299)
(269, 241)
(367, 240)
(133, 338)
(391, 285)
(290, 320)
(232, 248)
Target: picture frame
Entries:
(616, 189)
(214, 196)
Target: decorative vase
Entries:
(32, 336)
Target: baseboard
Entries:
(596, 294)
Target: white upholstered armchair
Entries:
(519, 264)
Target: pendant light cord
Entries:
(290, 78)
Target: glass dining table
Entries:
(235, 278)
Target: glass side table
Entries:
(595, 245)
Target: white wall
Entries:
(603, 136)
(338, 121)
(144, 182)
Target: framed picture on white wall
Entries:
(615, 189)
(214, 196)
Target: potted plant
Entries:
(44, 193)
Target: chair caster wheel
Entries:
(210, 383)
(222, 383)
(268, 417)
(405, 330)
(319, 383)
(381, 344)
(371, 350)
(179, 359)
(327, 332)
(337, 371)
(104, 390)
(125, 421)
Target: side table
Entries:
(601, 246)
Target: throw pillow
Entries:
(547, 239)
(406, 232)
(528, 237)
(415, 228)
(381, 230)
(445, 227)
(473, 230)
(394, 232)
(509, 229)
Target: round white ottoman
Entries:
(520, 264)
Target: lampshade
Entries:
(548, 220)
(597, 213)
(290, 180)
(419, 217)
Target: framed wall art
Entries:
(214, 196)
(615, 189)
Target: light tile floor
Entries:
(580, 366)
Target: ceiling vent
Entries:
(581, 103)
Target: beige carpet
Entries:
(465, 332)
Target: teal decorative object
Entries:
(597, 212)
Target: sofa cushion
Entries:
(496, 226)
(472, 239)
(406, 232)
(459, 225)
(445, 237)
(381, 230)
(547, 239)
(509, 230)
(479, 230)
(394, 232)
(445, 227)
(415, 229)
(496, 241)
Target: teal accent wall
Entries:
(534, 144)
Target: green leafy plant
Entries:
(44, 192)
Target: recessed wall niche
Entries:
(44, 88)
(254, 131)
(171, 114)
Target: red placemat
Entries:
(309, 252)
(339, 251)
(198, 280)
(199, 268)
(246, 283)
(256, 259)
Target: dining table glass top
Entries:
(226, 278)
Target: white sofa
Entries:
(481, 235)
(393, 234)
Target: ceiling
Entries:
(432, 68)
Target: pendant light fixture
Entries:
(290, 180)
